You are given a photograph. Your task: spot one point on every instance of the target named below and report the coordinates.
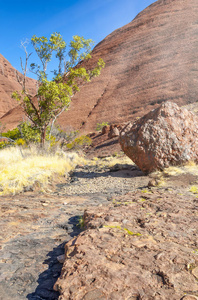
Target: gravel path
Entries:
(116, 180)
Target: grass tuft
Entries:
(194, 189)
(109, 161)
(125, 229)
(189, 168)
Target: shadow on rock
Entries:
(47, 279)
(119, 170)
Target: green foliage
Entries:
(101, 125)
(45, 49)
(29, 133)
(25, 134)
(194, 189)
(54, 96)
(65, 136)
(80, 49)
(12, 134)
(125, 229)
(81, 222)
(132, 233)
(79, 142)
(20, 142)
(4, 144)
(51, 139)
(9, 138)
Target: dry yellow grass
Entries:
(188, 168)
(109, 162)
(18, 171)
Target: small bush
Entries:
(23, 134)
(12, 134)
(4, 144)
(101, 125)
(79, 142)
(20, 142)
(32, 135)
(28, 133)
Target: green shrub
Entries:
(20, 142)
(60, 134)
(69, 136)
(52, 140)
(24, 133)
(28, 133)
(12, 134)
(31, 135)
(79, 142)
(81, 222)
(101, 125)
(4, 144)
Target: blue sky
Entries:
(21, 19)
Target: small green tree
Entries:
(54, 96)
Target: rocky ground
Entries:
(142, 241)
(142, 246)
(36, 226)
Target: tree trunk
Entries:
(43, 134)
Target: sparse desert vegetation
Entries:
(99, 198)
(28, 168)
(189, 169)
(110, 161)
(23, 169)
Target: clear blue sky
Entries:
(95, 19)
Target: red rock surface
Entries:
(9, 84)
(165, 136)
(142, 246)
(150, 60)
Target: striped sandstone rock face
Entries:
(9, 84)
(152, 59)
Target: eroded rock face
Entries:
(165, 136)
(9, 84)
(148, 61)
(137, 248)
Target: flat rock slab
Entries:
(34, 229)
(142, 246)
